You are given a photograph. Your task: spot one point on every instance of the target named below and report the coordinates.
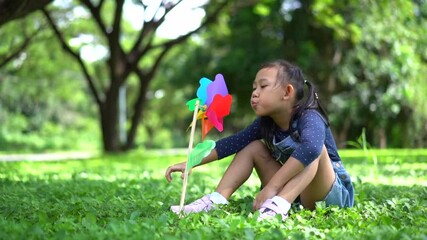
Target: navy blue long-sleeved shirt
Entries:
(311, 127)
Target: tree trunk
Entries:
(138, 111)
(342, 135)
(383, 138)
(110, 122)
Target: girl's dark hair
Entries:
(288, 73)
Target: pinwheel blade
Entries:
(219, 108)
(200, 115)
(216, 87)
(199, 152)
(202, 92)
(192, 103)
(206, 126)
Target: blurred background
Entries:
(115, 75)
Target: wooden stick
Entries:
(190, 146)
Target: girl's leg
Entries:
(311, 184)
(255, 155)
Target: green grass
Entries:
(127, 197)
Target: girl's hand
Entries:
(266, 193)
(179, 167)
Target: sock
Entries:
(217, 198)
(282, 203)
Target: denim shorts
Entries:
(342, 191)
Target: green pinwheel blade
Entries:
(192, 103)
(199, 152)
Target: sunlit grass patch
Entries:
(126, 197)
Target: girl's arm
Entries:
(289, 170)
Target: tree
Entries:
(12, 9)
(141, 59)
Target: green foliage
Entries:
(42, 98)
(381, 67)
(127, 197)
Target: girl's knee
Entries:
(256, 147)
(259, 152)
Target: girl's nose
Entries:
(254, 93)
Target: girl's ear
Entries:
(288, 91)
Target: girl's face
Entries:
(268, 95)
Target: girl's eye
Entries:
(263, 86)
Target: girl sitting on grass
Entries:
(289, 144)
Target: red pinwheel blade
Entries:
(219, 108)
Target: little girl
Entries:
(289, 144)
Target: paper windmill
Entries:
(215, 103)
(212, 104)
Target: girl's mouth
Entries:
(254, 103)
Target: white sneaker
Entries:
(269, 210)
(201, 204)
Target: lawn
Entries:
(127, 197)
